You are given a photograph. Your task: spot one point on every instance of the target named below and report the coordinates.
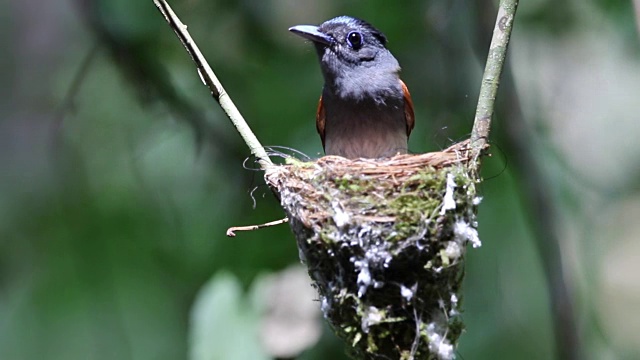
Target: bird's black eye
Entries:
(354, 39)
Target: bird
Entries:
(365, 109)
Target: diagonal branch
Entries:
(209, 78)
(491, 78)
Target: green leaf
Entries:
(223, 323)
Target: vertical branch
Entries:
(209, 78)
(491, 78)
(515, 137)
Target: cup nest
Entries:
(384, 242)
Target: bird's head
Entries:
(353, 56)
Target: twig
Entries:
(491, 77)
(209, 78)
(68, 102)
(231, 231)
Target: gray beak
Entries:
(311, 32)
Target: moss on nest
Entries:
(384, 242)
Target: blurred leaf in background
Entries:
(223, 324)
(119, 174)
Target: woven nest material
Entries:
(384, 242)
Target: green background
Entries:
(119, 175)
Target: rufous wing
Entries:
(408, 109)
(320, 120)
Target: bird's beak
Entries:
(312, 33)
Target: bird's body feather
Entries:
(366, 129)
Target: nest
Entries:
(384, 242)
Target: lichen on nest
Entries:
(384, 242)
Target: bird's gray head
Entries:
(353, 56)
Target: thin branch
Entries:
(536, 196)
(209, 78)
(231, 231)
(68, 103)
(491, 77)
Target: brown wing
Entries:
(320, 120)
(408, 109)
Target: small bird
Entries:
(365, 110)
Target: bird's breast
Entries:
(365, 129)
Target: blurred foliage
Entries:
(115, 198)
(220, 308)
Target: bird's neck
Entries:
(364, 86)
